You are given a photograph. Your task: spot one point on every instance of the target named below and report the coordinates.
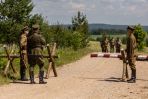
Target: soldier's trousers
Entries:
(132, 66)
(112, 50)
(23, 64)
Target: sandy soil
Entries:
(88, 78)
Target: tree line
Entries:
(15, 14)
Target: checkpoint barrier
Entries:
(50, 56)
(118, 55)
(122, 56)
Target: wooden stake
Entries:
(51, 61)
(125, 69)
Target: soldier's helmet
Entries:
(25, 28)
(130, 28)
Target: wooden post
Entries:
(125, 69)
(51, 61)
(9, 63)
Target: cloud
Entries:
(97, 11)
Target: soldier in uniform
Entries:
(23, 52)
(112, 45)
(35, 47)
(131, 57)
(106, 42)
(118, 44)
(102, 45)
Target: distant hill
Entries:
(109, 26)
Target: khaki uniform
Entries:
(35, 47)
(36, 43)
(102, 46)
(118, 44)
(106, 43)
(23, 55)
(131, 46)
(131, 56)
(112, 45)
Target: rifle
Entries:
(125, 69)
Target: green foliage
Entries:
(13, 15)
(140, 35)
(44, 27)
(147, 42)
(124, 40)
(80, 24)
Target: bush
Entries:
(124, 40)
(140, 35)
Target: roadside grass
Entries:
(68, 55)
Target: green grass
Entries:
(68, 55)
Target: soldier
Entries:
(106, 45)
(102, 45)
(35, 47)
(131, 57)
(112, 45)
(118, 44)
(23, 52)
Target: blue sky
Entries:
(128, 12)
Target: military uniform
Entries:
(118, 44)
(131, 57)
(112, 45)
(106, 43)
(23, 53)
(35, 47)
(102, 46)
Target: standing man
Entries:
(106, 43)
(35, 47)
(23, 52)
(118, 44)
(131, 57)
(112, 45)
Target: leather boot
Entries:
(41, 78)
(133, 78)
(32, 78)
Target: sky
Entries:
(123, 12)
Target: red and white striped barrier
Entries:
(117, 55)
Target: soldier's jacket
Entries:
(131, 46)
(112, 43)
(35, 43)
(36, 40)
(23, 43)
(23, 50)
(118, 43)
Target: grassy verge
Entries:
(68, 55)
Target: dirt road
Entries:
(88, 78)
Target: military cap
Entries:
(130, 28)
(25, 28)
(36, 26)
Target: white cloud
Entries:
(105, 11)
